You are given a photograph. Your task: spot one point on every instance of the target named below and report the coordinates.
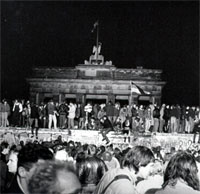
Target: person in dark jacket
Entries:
(156, 116)
(63, 110)
(196, 131)
(34, 118)
(16, 115)
(191, 114)
(166, 117)
(182, 119)
(110, 111)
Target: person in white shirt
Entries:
(88, 110)
(110, 161)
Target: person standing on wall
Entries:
(17, 110)
(156, 116)
(51, 109)
(71, 115)
(34, 119)
(63, 109)
(110, 111)
(5, 113)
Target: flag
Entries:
(95, 25)
(136, 89)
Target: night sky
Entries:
(155, 35)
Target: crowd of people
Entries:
(63, 167)
(121, 118)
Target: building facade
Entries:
(94, 80)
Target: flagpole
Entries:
(131, 98)
(97, 42)
(131, 95)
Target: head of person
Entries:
(110, 103)
(110, 148)
(105, 117)
(60, 153)
(4, 145)
(107, 156)
(27, 102)
(29, 155)
(140, 159)
(13, 159)
(182, 166)
(163, 105)
(80, 156)
(141, 107)
(117, 152)
(100, 151)
(92, 150)
(90, 170)
(172, 150)
(54, 177)
(4, 101)
(157, 168)
(51, 101)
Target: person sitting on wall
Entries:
(92, 123)
(117, 125)
(137, 128)
(126, 128)
(106, 128)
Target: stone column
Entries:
(111, 97)
(37, 98)
(130, 100)
(83, 99)
(60, 98)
